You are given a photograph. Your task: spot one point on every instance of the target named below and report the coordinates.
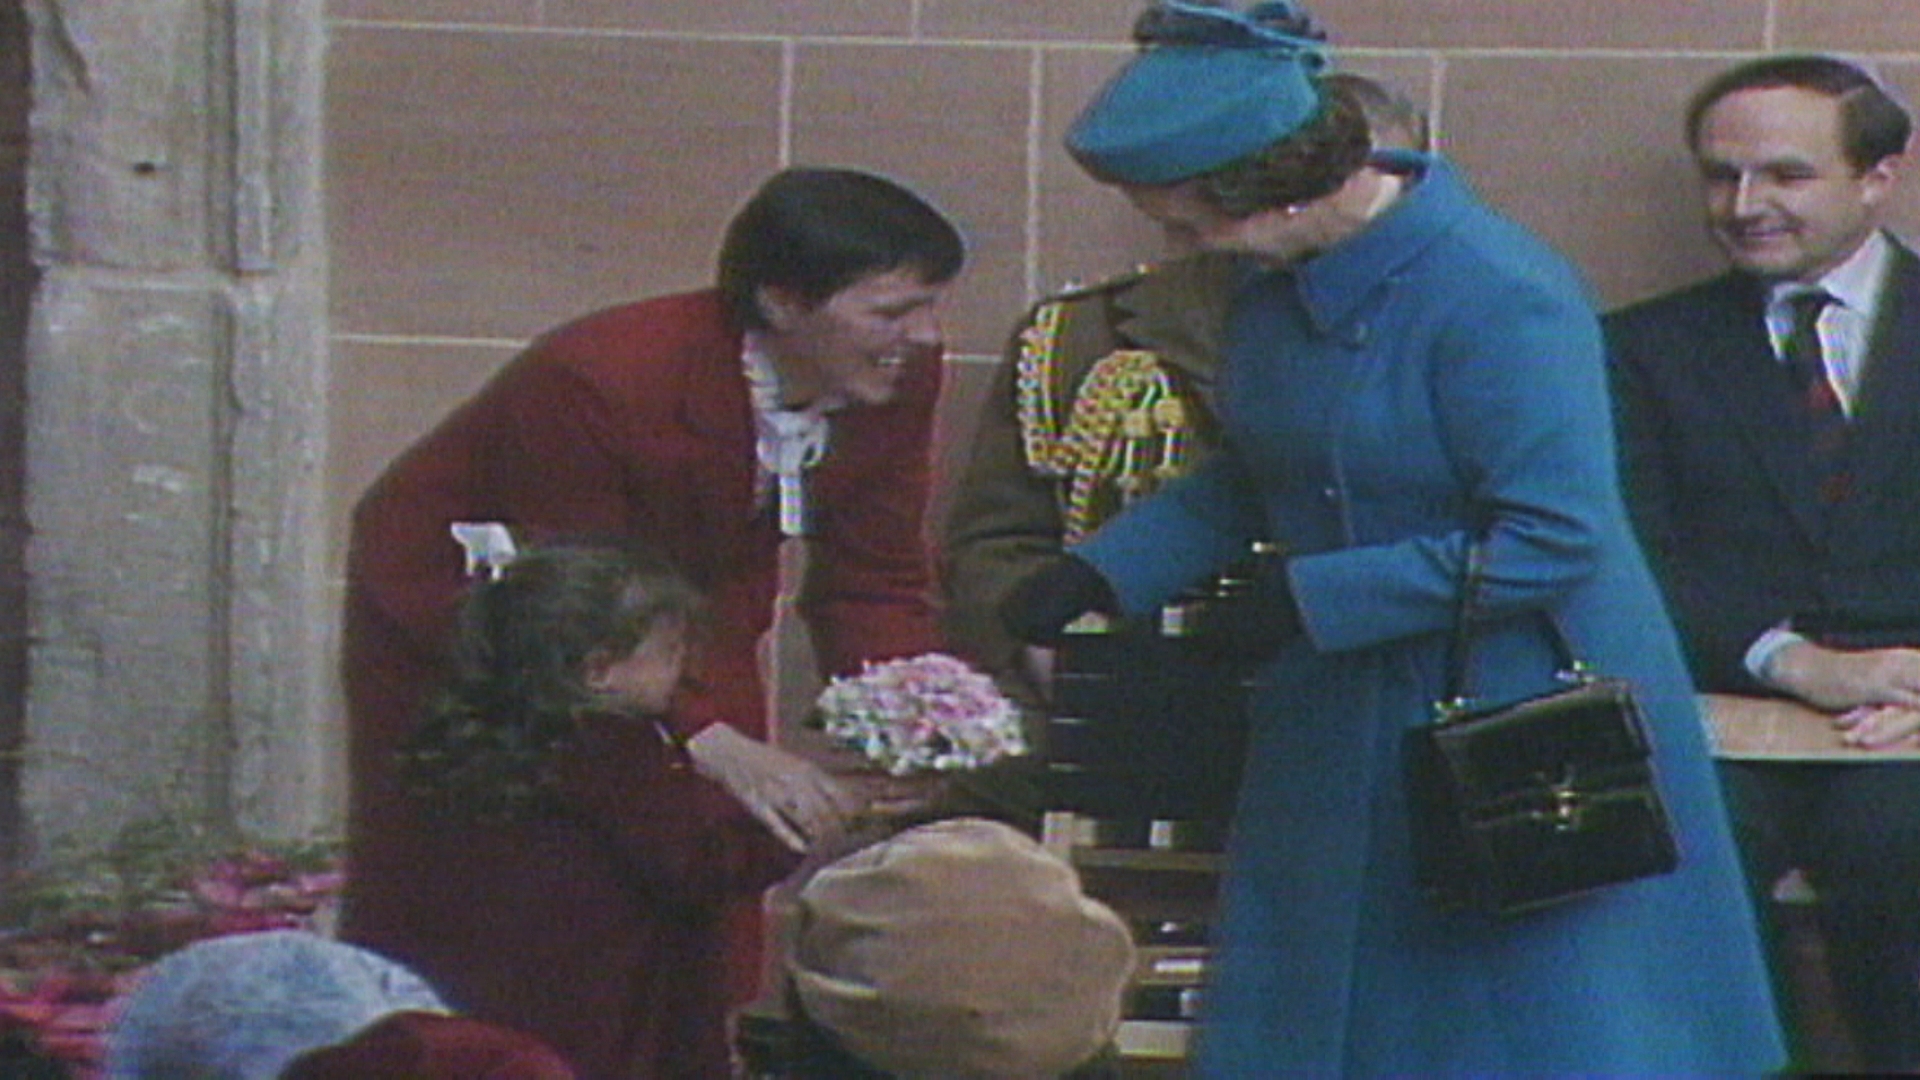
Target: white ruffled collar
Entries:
(787, 442)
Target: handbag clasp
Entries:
(1567, 805)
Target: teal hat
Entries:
(1210, 85)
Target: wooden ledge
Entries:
(1770, 729)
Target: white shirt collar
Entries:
(1846, 326)
(787, 442)
(1855, 283)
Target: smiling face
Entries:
(1782, 200)
(856, 343)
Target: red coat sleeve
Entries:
(677, 834)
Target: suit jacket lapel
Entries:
(1738, 359)
(1884, 445)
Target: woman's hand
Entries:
(795, 799)
(1253, 623)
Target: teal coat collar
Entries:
(1335, 283)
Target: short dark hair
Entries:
(1873, 126)
(813, 232)
(1307, 164)
(521, 651)
(1392, 118)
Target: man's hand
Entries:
(1879, 727)
(795, 799)
(1838, 680)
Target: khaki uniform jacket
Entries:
(1007, 518)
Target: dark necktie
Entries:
(1826, 420)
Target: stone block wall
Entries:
(175, 435)
(16, 292)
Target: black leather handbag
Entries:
(1522, 806)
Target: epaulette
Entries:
(1074, 290)
(1039, 340)
(1117, 435)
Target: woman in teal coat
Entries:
(1411, 373)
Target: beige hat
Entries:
(960, 949)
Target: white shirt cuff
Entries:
(1760, 654)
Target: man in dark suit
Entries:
(1770, 441)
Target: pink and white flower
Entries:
(927, 713)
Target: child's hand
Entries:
(795, 799)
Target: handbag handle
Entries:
(1457, 696)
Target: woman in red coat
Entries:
(794, 399)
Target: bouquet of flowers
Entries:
(927, 713)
